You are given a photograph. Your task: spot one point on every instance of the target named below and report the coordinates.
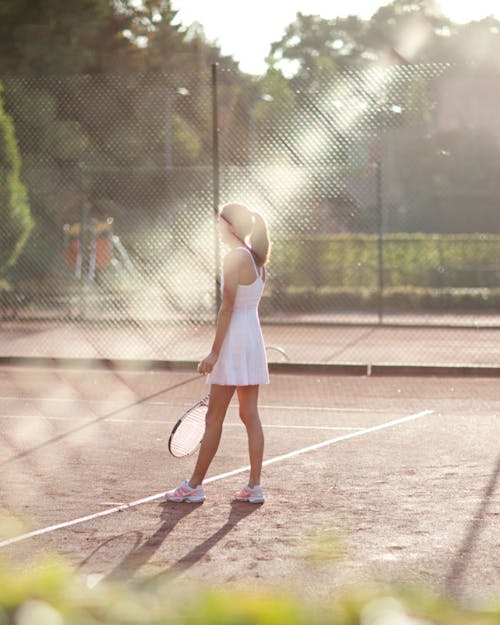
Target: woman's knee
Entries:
(249, 417)
(214, 419)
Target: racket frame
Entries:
(202, 402)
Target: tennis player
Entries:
(237, 361)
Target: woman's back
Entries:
(248, 294)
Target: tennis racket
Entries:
(188, 432)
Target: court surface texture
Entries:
(386, 479)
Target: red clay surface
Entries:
(409, 493)
(326, 344)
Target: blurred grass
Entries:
(50, 593)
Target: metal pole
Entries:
(216, 183)
(169, 128)
(82, 313)
(378, 174)
(168, 131)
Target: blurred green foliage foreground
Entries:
(53, 594)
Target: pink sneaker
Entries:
(252, 495)
(184, 492)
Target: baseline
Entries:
(270, 426)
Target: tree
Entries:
(60, 36)
(310, 40)
(403, 31)
(154, 33)
(99, 36)
(478, 44)
(275, 102)
(410, 31)
(15, 216)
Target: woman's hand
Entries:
(207, 364)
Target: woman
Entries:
(237, 361)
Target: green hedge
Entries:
(431, 261)
(306, 299)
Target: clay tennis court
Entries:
(366, 478)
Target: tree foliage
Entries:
(402, 31)
(59, 36)
(107, 78)
(97, 36)
(15, 217)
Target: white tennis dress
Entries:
(242, 360)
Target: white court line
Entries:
(42, 417)
(118, 402)
(321, 408)
(60, 399)
(215, 478)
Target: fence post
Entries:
(216, 182)
(380, 242)
(83, 242)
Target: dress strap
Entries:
(257, 270)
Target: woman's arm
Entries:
(231, 278)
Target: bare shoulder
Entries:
(235, 259)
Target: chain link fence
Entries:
(381, 189)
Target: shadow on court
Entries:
(239, 511)
(146, 547)
(458, 571)
(143, 551)
(350, 344)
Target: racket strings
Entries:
(189, 432)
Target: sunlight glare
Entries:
(413, 38)
(463, 12)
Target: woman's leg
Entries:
(220, 396)
(249, 414)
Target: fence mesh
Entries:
(380, 188)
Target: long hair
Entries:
(250, 228)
